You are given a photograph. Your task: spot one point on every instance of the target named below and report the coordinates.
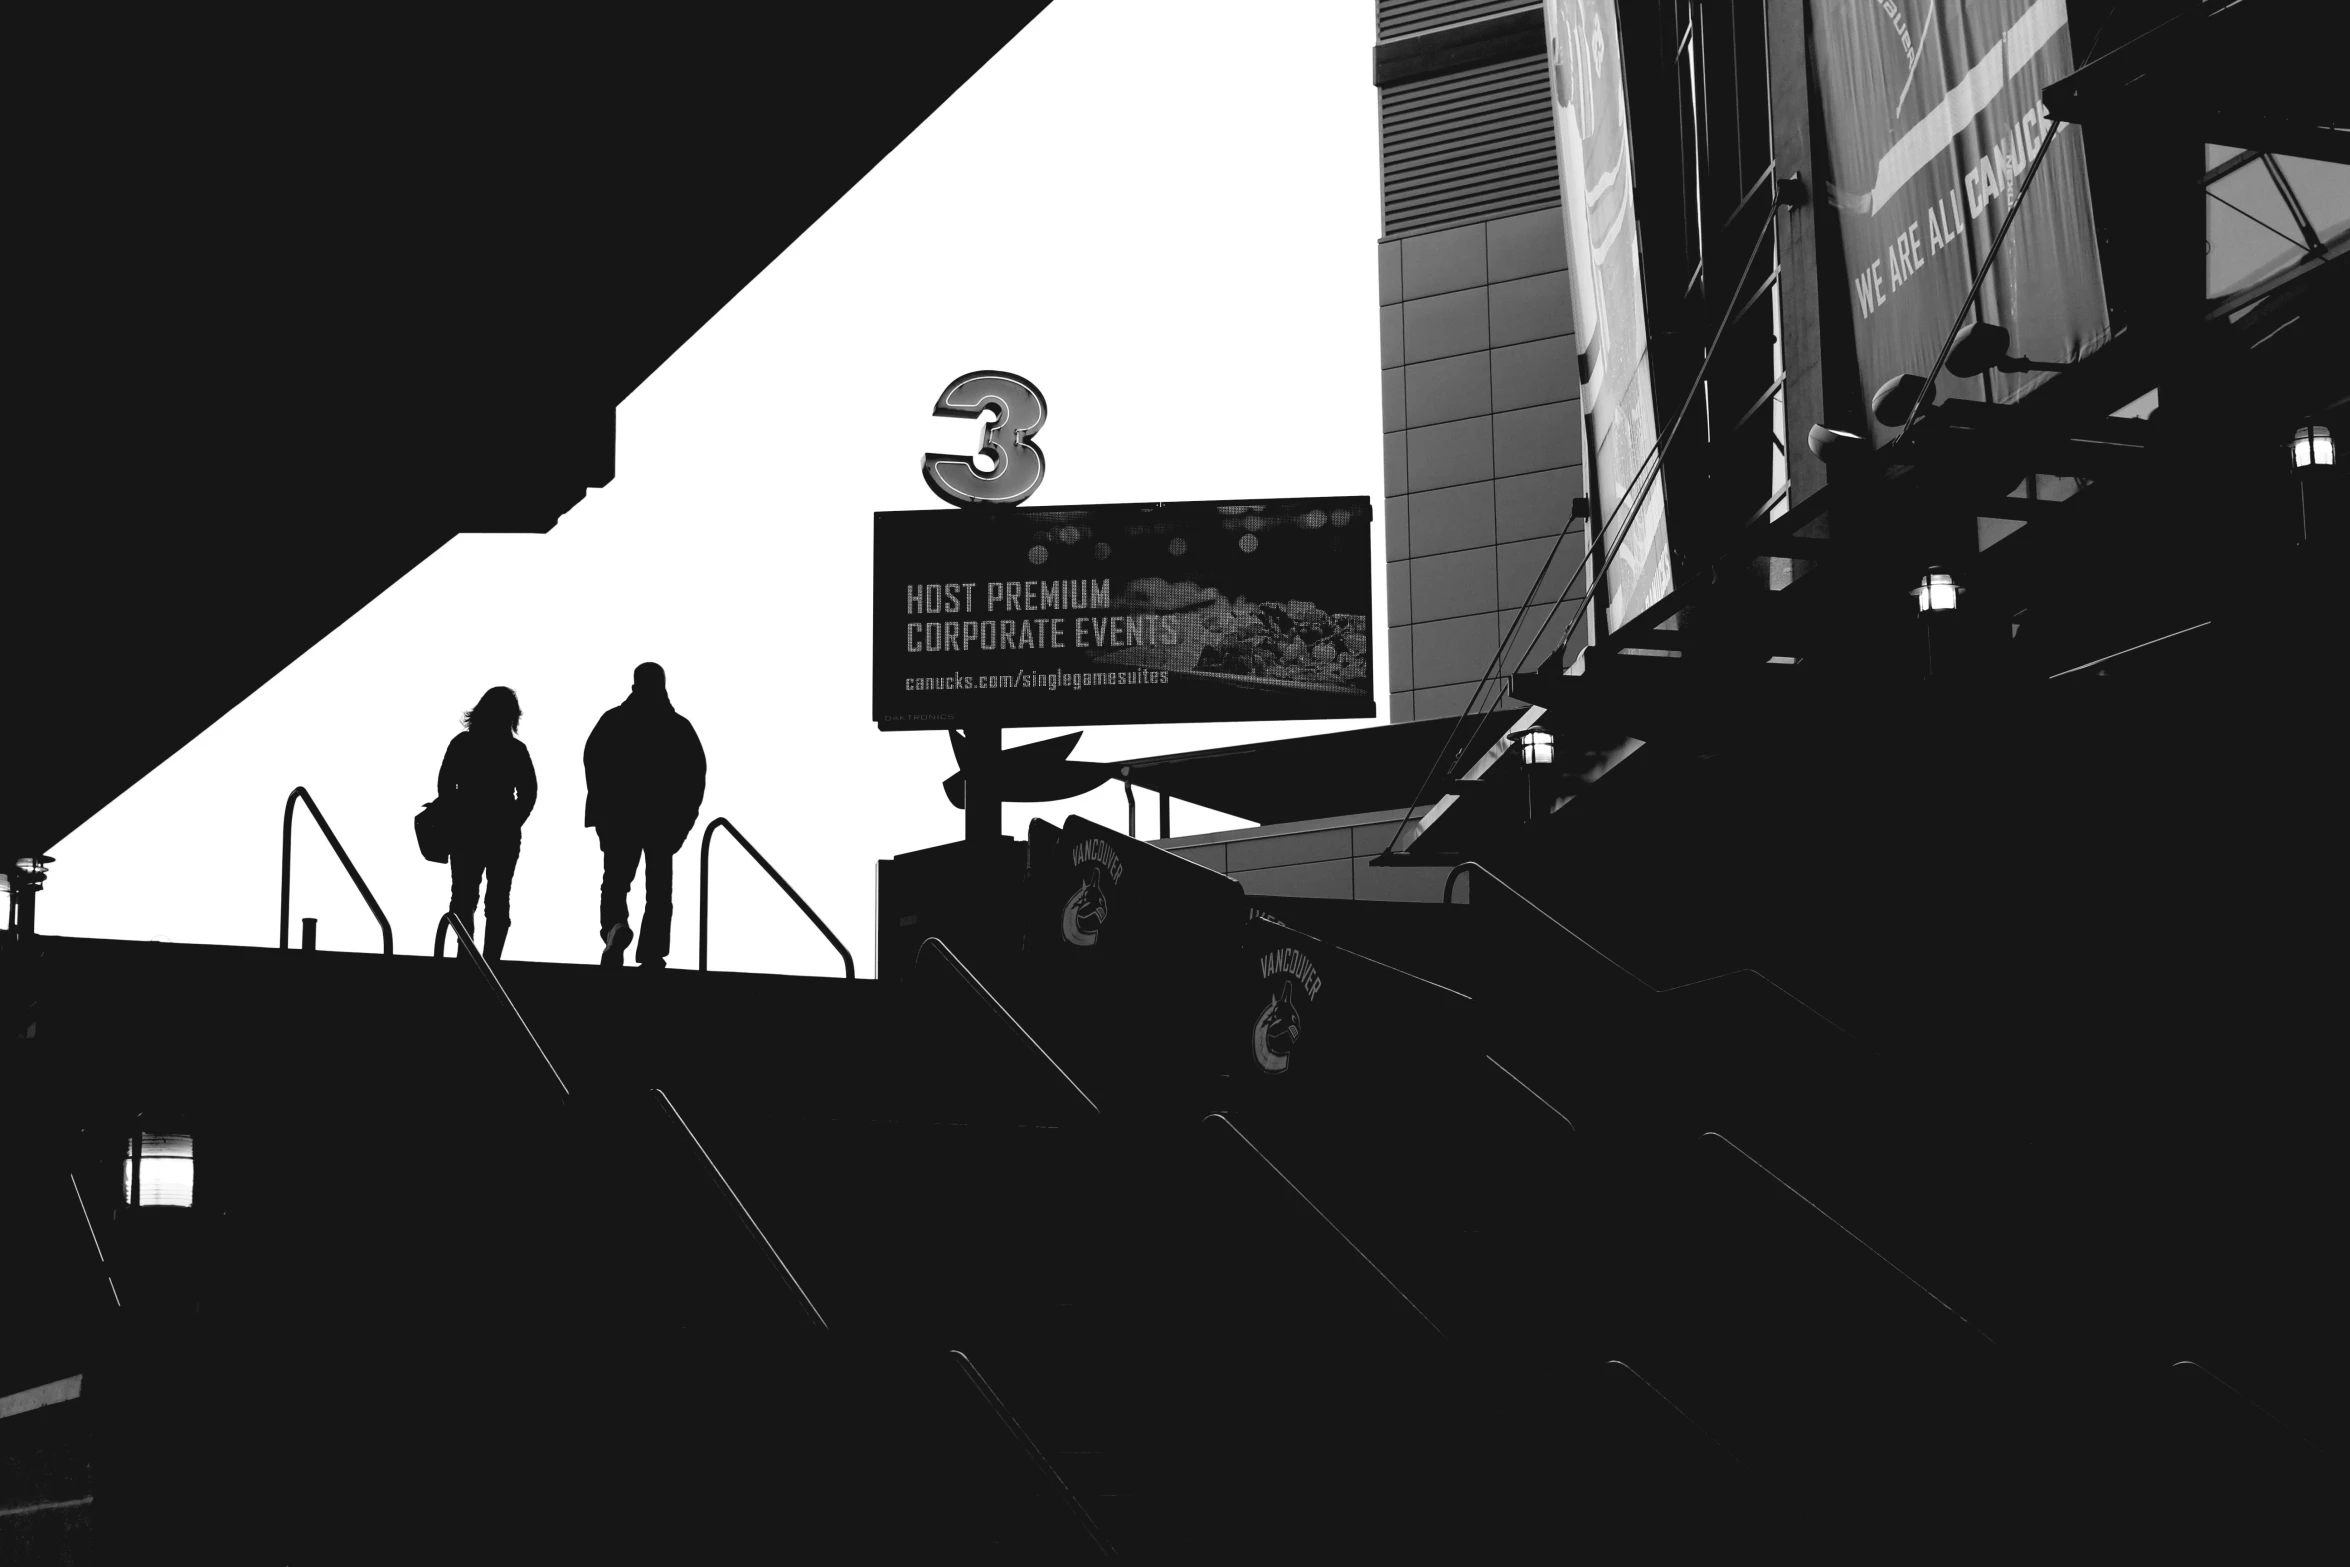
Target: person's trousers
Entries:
(621, 852)
(467, 863)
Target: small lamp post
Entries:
(1536, 751)
(24, 881)
(1936, 593)
(2312, 447)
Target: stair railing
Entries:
(963, 972)
(1034, 1454)
(285, 870)
(742, 1212)
(1219, 1119)
(1654, 990)
(849, 962)
(450, 922)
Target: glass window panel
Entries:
(2324, 192)
(2214, 154)
(2250, 190)
(2240, 252)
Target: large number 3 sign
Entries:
(1014, 411)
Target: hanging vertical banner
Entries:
(1603, 251)
(1933, 113)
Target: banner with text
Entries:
(1933, 113)
(1603, 253)
(1176, 612)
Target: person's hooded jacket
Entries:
(645, 772)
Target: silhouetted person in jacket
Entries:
(487, 778)
(644, 778)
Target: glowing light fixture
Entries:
(1536, 748)
(159, 1171)
(2313, 447)
(1936, 591)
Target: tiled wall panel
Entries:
(1484, 442)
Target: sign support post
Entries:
(983, 803)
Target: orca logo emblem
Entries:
(1278, 1029)
(1087, 910)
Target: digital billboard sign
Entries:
(1172, 612)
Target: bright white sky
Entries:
(1167, 221)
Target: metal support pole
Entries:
(983, 807)
(1166, 815)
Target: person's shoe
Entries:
(652, 963)
(616, 944)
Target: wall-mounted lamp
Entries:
(2313, 447)
(24, 881)
(159, 1171)
(1898, 398)
(1983, 347)
(1936, 590)
(1536, 748)
(1835, 446)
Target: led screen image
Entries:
(1174, 612)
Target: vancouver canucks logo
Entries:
(1278, 1029)
(1087, 910)
(1283, 1022)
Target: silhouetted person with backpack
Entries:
(490, 787)
(645, 772)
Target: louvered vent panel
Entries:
(1401, 18)
(1465, 148)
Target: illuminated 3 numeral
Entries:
(1014, 410)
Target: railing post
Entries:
(702, 925)
(285, 869)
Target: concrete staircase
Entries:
(887, 1271)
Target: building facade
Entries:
(1484, 443)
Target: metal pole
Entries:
(983, 807)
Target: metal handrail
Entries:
(1316, 1209)
(285, 870)
(963, 970)
(1035, 1454)
(1654, 990)
(1675, 1408)
(1855, 1239)
(450, 922)
(813, 917)
(743, 1212)
(1262, 918)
